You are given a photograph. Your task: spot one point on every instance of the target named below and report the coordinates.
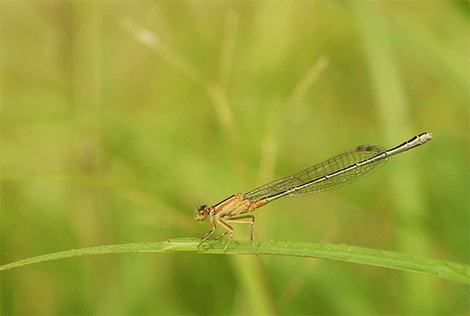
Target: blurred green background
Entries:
(118, 118)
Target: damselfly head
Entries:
(202, 212)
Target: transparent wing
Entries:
(334, 172)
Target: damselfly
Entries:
(334, 172)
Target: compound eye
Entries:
(202, 212)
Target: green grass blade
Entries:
(442, 269)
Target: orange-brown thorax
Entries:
(231, 206)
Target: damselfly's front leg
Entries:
(209, 233)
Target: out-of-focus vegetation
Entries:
(117, 118)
